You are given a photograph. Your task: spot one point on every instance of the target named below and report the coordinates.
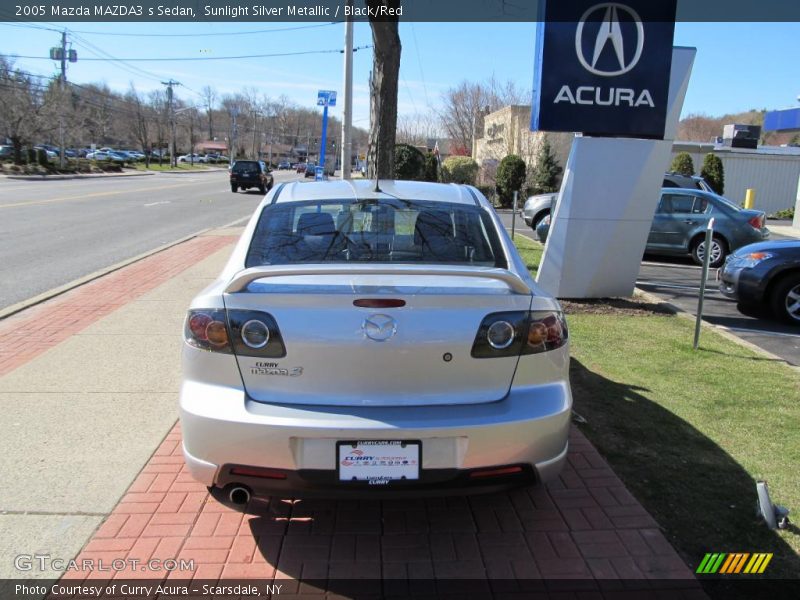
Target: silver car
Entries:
(372, 343)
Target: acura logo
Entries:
(379, 327)
(609, 32)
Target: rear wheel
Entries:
(234, 188)
(262, 189)
(719, 250)
(785, 299)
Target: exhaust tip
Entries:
(239, 495)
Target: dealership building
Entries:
(772, 171)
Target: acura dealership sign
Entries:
(603, 68)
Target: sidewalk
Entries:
(95, 471)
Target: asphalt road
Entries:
(677, 281)
(53, 232)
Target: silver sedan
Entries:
(369, 342)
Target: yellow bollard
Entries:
(749, 198)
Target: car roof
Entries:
(297, 191)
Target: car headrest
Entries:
(432, 225)
(316, 224)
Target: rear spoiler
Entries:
(241, 280)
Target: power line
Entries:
(219, 33)
(202, 58)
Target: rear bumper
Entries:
(222, 428)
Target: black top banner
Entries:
(341, 10)
(603, 68)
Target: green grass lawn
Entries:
(690, 432)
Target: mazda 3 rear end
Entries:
(366, 343)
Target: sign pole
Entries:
(706, 261)
(324, 138)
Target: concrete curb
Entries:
(719, 329)
(62, 289)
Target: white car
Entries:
(198, 158)
(368, 343)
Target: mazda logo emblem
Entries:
(379, 327)
(609, 32)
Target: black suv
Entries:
(246, 174)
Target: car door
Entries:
(674, 224)
(661, 225)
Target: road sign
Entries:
(319, 173)
(326, 98)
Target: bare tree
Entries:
(464, 106)
(140, 123)
(383, 91)
(23, 101)
(417, 129)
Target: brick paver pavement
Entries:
(46, 325)
(585, 526)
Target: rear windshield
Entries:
(375, 231)
(245, 167)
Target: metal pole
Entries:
(255, 130)
(514, 216)
(706, 261)
(347, 117)
(324, 138)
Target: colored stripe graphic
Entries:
(733, 563)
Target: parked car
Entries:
(6, 151)
(300, 168)
(681, 219)
(367, 343)
(538, 206)
(765, 275)
(197, 158)
(246, 174)
(111, 156)
(50, 154)
(284, 165)
(311, 170)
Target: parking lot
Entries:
(677, 280)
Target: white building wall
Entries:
(774, 177)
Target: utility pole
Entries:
(347, 119)
(63, 88)
(170, 98)
(254, 114)
(234, 113)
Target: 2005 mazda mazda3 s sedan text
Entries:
(372, 342)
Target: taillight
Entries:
(757, 222)
(518, 333)
(206, 329)
(255, 333)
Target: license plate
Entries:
(378, 462)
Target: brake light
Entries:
(518, 333)
(206, 329)
(756, 222)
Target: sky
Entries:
(739, 66)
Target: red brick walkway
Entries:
(584, 526)
(26, 335)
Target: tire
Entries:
(719, 251)
(262, 189)
(785, 299)
(234, 188)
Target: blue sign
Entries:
(326, 98)
(782, 120)
(319, 173)
(603, 68)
